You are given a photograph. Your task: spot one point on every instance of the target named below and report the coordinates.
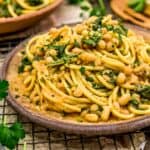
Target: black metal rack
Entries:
(39, 138)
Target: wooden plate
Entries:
(103, 128)
(8, 25)
(121, 8)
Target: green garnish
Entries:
(3, 10)
(3, 89)
(90, 79)
(34, 2)
(98, 9)
(97, 86)
(10, 136)
(144, 91)
(59, 48)
(134, 103)
(92, 40)
(137, 5)
(25, 61)
(76, 44)
(82, 70)
(66, 59)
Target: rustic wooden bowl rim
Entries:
(68, 126)
(31, 15)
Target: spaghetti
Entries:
(14, 8)
(92, 72)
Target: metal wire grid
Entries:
(39, 138)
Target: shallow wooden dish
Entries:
(120, 7)
(8, 25)
(103, 128)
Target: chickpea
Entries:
(94, 107)
(53, 52)
(104, 30)
(101, 44)
(84, 33)
(107, 36)
(115, 41)
(134, 79)
(105, 113)
(79, 28)
(87, 73)
(110, 46)
(127, 70)
(77, 92)
(123, 100)
(91, 117)
(87, 57)
(76, 50)
(49, 59)
(121, 78)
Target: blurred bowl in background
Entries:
(9, 25)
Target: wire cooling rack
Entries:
(40, 138)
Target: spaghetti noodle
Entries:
(92, 72)
(14, 8)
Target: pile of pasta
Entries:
(14, 8)
(92, 72)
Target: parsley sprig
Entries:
(98, 9)
(3, 89)
(9, 135)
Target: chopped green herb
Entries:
(37, 58)
(66, 59)
(97, 24)
(25, 61)
(92, 40)
(144, 91)
(90, 79)
(97, 86)
(3, 89)
(10, 136)
(134, 103)
(34, 2)
(82, 70)
(76, 43)
(137, 5)
(59, 48)
(75, 1)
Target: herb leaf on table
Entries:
(9, 135)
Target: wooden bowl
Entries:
(103, 128)
(8, 25)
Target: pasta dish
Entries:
(95, 71)
(14, 8)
